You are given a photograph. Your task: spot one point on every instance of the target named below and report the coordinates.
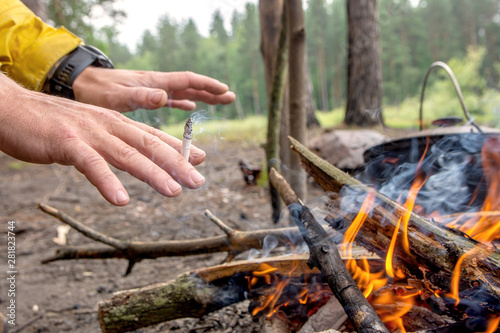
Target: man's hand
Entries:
(39, 128)
(127, 90)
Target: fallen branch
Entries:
(233, 242)
(324, 255)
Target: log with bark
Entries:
(193, 294)
(434, 249)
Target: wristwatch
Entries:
(60, 79)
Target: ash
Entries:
(231, 319)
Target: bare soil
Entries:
(63, 295)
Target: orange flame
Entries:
(483, 227)
(493, 324)
(405, 218)
(271, 301)
(365, 280)
(455, 279)
(486, 229)
(403, 302)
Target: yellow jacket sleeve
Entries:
(29, 48)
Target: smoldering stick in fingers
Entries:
(186, 138)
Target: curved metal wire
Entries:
(457, 89)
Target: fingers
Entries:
(141, 97)
(125, 90)
(150, 99)
(94, 167)
(197, 156)
(151, 157)
(203, 96)
(148, 154)
(184, 80)
(131, 160)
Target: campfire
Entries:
(424, 268)
(435, 268)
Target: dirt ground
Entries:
(63, 295)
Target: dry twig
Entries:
(234, 242)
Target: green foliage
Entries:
(441, 99)
(331, 119)
(462, 33)
(77, 15)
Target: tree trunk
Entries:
(270, 13)
(322, 78)
(255, 87)
(39, 7)
(338, 85)
(275, 98)
(285, 129)
(297, 82)
(311, 120)
(364, 68)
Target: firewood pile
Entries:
(424, 274)
(428, 265)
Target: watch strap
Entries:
(61, 82)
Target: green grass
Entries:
(251, 130)
(332, 118)
(17, 165)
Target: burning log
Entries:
(324, 255)
(185, 297)
(193, 294)
(446, 260)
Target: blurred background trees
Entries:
(412, 36)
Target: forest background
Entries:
(463, 33)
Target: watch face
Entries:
(102, 60)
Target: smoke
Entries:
(451, 166)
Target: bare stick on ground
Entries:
(233, 242)
(325, 256)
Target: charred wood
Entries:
(324, 255)
(204, 290)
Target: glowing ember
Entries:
(278, 299)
